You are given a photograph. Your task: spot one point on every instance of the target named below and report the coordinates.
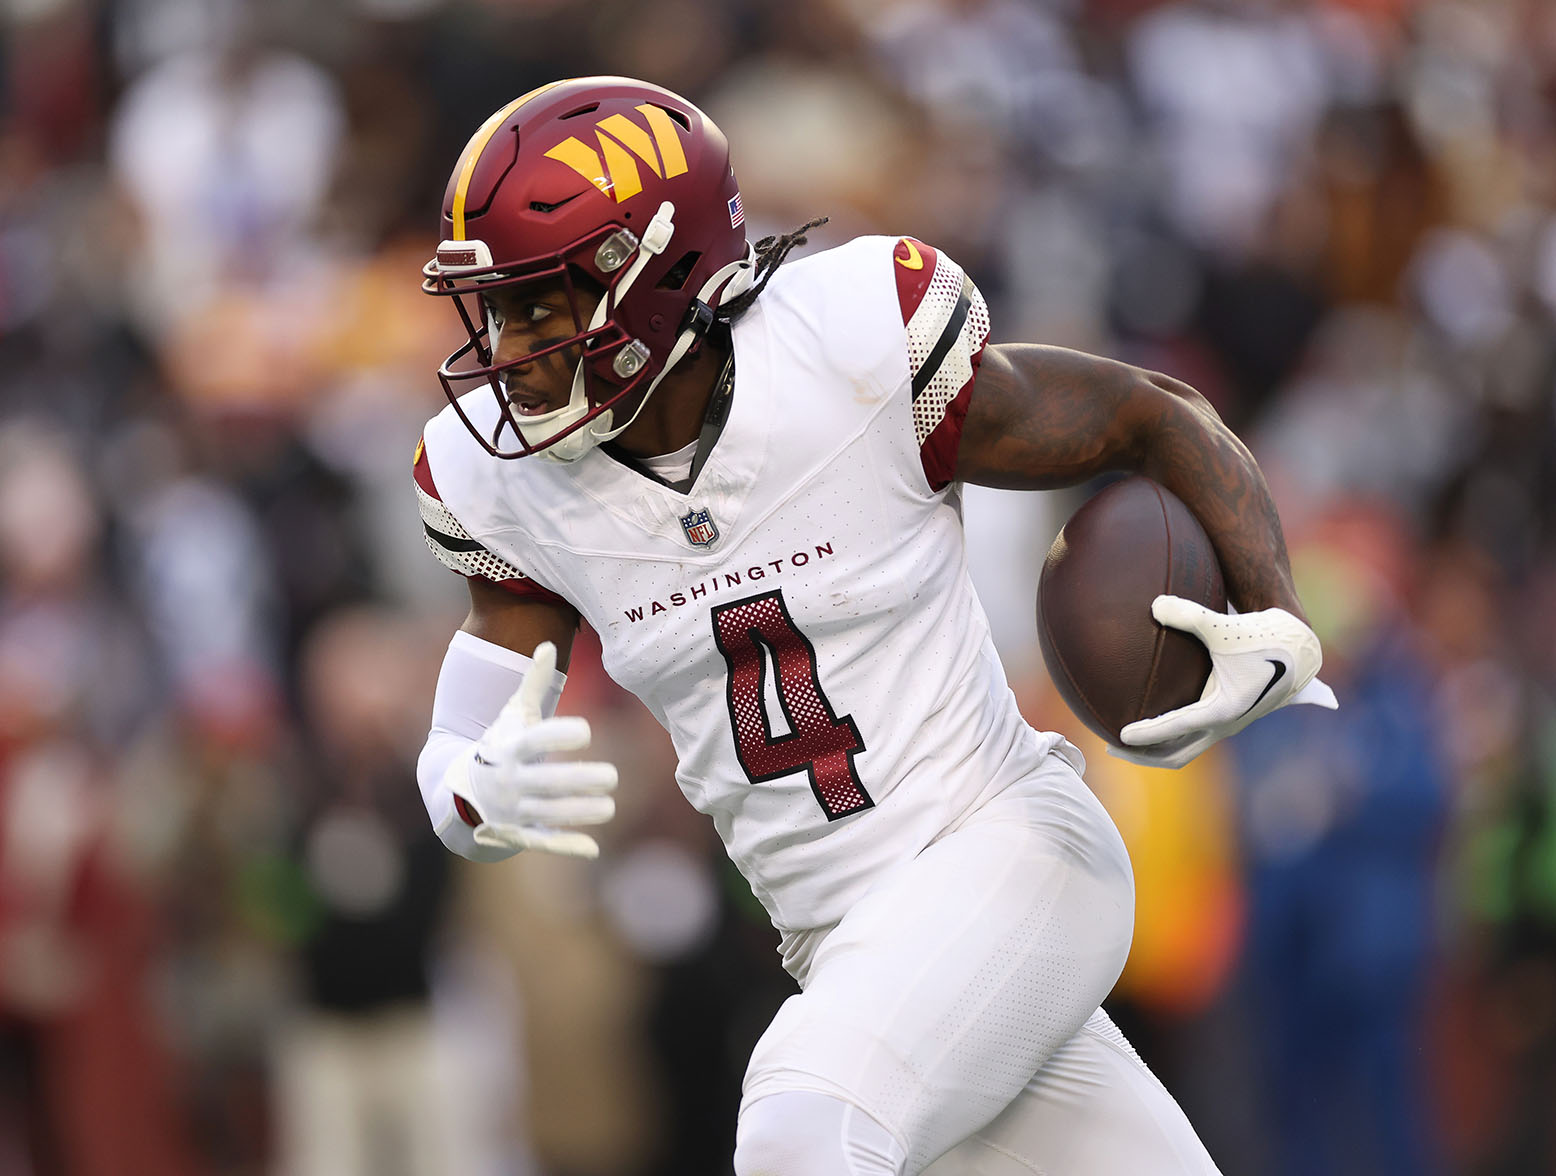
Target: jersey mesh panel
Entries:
(924, 330)
(934, 311)
(479, 562)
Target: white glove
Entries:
(521, 798)
(1259, 662)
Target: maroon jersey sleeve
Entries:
(947, 325)
(454, 547)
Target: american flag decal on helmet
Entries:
(700, 528)
(737, 212)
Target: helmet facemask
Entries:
(611, 366)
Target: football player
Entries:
(744, 475)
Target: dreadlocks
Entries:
(770, 252)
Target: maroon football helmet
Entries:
(618, 181)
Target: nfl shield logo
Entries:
(699, 527)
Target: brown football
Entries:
(1110, 660)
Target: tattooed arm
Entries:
(1044, 417)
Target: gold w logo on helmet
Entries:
(613, 169)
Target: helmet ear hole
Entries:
(680, 271)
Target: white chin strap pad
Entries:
(536, 429)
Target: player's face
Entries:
(529, 319)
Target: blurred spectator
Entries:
(363, 1081)
(87, 1083)
(228, 152)
(1234, 92)
(1343, 822)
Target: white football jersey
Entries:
(801, 621)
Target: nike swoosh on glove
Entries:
(523, 799)
(1259, 662)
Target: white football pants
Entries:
(952, 1015)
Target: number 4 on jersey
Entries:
(819, 741)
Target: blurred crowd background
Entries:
(229, 942)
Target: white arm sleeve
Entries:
(477, 678)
